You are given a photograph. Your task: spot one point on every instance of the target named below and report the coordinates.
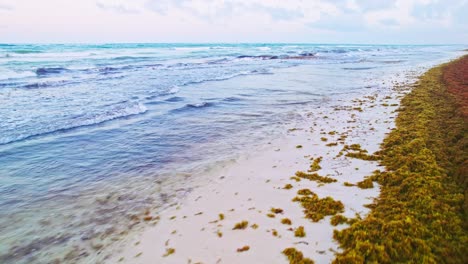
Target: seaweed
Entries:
(366, 184)
(419, 215)
(315, 177)
(241, 225)
(315, 166)
(338, 219)
(274, 232)
(316, 209)
(242, 249)
(305, 192)
(355, 151)
(169, 251)
(296, 257)
(299, 232)
(276, 210)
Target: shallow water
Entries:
(93, 134)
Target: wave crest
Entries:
(117, 111)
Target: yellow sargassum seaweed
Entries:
(418, 217)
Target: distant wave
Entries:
(358, 68)
(25, 51)
(88, 119)
(51, 70)
(174, 99)
(196, 106)
(199, 105)
(299, 56)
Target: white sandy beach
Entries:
(247, 190)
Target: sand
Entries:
(247, 189)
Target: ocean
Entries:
(93, 134)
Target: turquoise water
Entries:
(91, 134)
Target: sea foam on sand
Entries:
(193, 231)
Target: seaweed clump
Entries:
(241, 225)
(419, 216)
(300, 232)
(366, 184)
(296, 257)
(355, 151)
(338, 220)
(242, 249)
(315, 166)
(315, 177)
(316, 209)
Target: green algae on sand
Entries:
(419, 216)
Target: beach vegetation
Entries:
(288, 186)
(296, 257)
(221, 217)
(297, 179)
(315, 177)
(274, 232)
(332, 144)
(299, 146)
(348, 184)
(286, 221)
(241, 225)
(315, 166)
(169, 251)
(254, 226)
(305, 192)
(316, 209)
(366, 184)
(271, 215)
(338, 220)
(276, 210)
(420, 215)
(299, 232)
(324, 139)
(242, 249)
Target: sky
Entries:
(234, 21)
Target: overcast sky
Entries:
(306, 21)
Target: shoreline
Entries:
(193, 231)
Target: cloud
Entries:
(118, 8)
(4, 7)
(209, 10)
(342, 23)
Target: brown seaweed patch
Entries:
(241, 225)
(338, 220)
(316, 209)
(419, 216)
(296, 257)
(366, 184)
(299, 232)
(242, 249)
(169, 251)
(315, 177)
